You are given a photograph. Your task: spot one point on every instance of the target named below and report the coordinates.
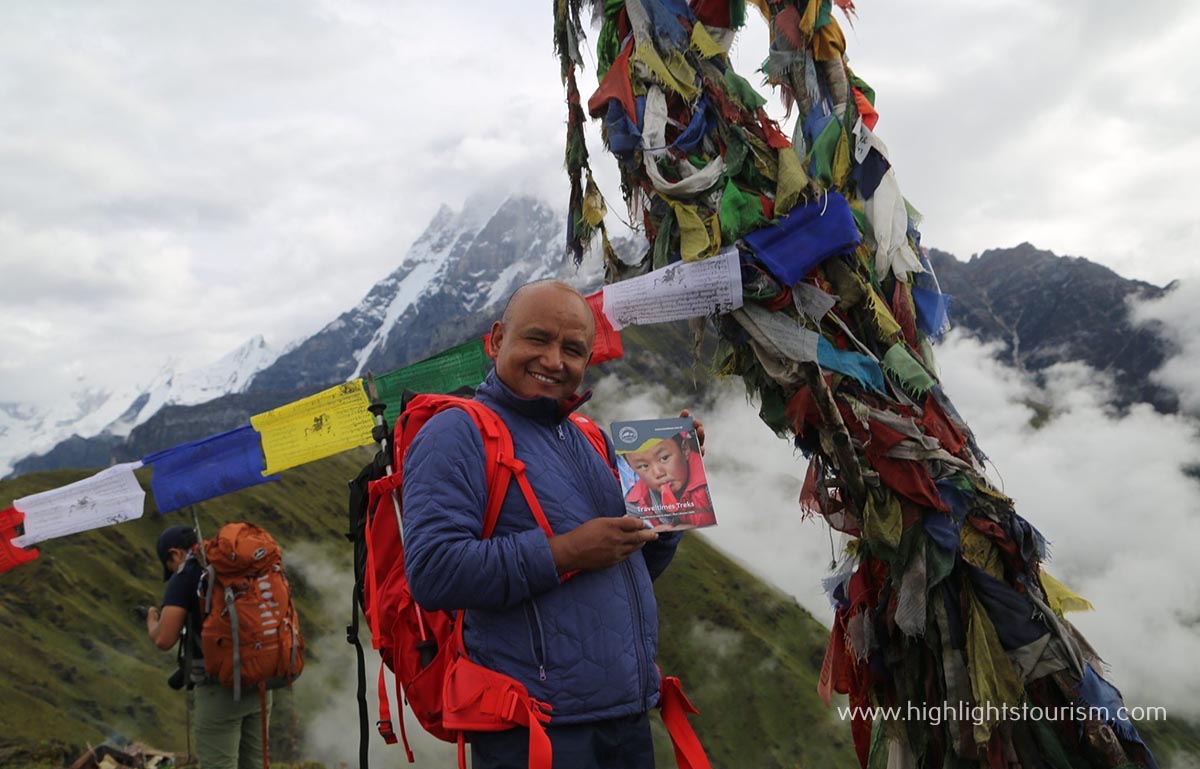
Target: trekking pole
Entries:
(426, 648)
(199, 537)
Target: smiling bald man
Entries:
(585, 645)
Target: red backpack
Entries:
(447, 692)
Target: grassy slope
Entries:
(77, 666)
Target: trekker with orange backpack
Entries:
(572, 617)
(238, 633)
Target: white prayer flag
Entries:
(678, 291)
(110, 496)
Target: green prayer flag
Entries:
(463, 366)
(743, 91)
(823, 149)
(901, 364)
(740, 213)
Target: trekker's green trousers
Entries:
(228, 733)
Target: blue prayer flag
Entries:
(932, 311)
(852, 364)
(207, 468)
(806, 236)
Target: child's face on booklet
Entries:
(664, 463)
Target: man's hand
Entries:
(600, 543)
(699, 429)
(152, 619)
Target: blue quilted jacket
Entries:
(586, 646)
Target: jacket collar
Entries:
(541, 409)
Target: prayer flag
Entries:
(207, 468)
(806, 237)
(12, 556)
(463, 366)
(328, 423)
(110, 496)
(608, 340)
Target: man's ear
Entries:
(494, 339)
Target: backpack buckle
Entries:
(385, 731)
(509, 710)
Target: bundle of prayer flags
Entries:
(939, 594)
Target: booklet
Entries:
(662, 473)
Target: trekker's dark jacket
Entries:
(586, 646)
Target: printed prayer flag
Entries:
(108, 497)
(463, 366)
(12, 556)
(319, 426)
(207, 468)
(676, 292)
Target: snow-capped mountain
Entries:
(462, 267)
(108, 417)
(447, 289)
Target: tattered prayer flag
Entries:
(12, 556)
(108, 497)
(932, 311)
(1061, 598)
(901, 364)
(608, 340)
(207, 468)
(328, 423)
(806, 237)
(852, 364)
(463, 366)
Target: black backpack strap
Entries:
(356, 533)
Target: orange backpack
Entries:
(447, 692)
(251, 634)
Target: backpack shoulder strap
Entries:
(595, 436)
(501, 466)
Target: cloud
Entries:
(1174, 315)
(331, 733)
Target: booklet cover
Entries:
(662, 473)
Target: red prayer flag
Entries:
(12, 556)
(616, 85)
(608, 340)
(866, 110)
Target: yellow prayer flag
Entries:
(703, 43)
(319, 426)
(1061, 598)
(808, 22)
(594, 208)
(792, 181)
(829, 42)
(694, 236)
(675, 74)
(994, 681)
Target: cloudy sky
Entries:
(175, 179)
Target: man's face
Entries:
(543, 345)
(664, 463)
(175, 558)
